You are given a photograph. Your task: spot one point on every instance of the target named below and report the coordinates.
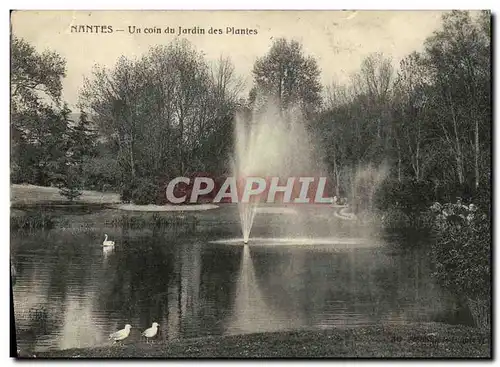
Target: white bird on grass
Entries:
(106, 242)
(151, 332)
(121, 334)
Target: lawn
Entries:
(27, 195)
(31, 194)
(425, 340)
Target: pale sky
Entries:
(339, 40)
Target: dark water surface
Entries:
(69, 293)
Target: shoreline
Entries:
(162, 208)
(31, 197)
(414, 340)
(25, 197)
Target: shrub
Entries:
(100, 173)
(106, 188)
(395, 219)
(145, 192)
(410, 196)
(71, 193)
(461, 253)
(126, 191)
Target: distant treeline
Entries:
(171, 112)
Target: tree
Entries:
(168, 113)
(410, 99)
(372, 88)
(458, 57)
(80, 146)
(35, 75)
(71, 182)
(83, 138)
(356, 127)
(37, 122)
(288, 76)
(432, 122)
(336, 95)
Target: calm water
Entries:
(69, 293)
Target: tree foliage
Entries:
(34, 74)
(38, 124)
(168, 113)
(430, 119)
(289, 77)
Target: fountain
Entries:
(271, 143)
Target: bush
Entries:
(106, 188)
(410, 196)
(145, 192)
(126, 191)
(395, 219)
(461, 253)
(101, 173)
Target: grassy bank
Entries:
(25, 196)
(430, 340)
(37, 207)
(31, 194)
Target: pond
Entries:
(69, 293)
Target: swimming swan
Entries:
(106, 242)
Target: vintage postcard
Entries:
(250, 184)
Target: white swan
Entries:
(106, 242)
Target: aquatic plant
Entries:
(32, 221)
(156, 221)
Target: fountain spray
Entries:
(271, 143)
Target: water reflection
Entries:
(106, 252)
(70, 292)
(250, 304)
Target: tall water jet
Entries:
(271, 143)
(247, 214)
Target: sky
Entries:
(339, 40)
